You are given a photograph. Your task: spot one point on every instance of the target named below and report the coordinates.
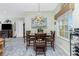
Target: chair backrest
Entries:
(53, 35)
(40, 36)
(28, 32)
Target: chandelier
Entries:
(39, 17)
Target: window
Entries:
(65, 24)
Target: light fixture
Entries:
(39, 17)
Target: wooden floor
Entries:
(16, 47)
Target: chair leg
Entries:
(44, 53)
(36, 52)
(52, 45)
(44, 50)
(53, 48)
(28, 43)
(24, 40)
(26, 47)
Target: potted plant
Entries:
(40, 29)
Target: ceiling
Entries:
(20, 8)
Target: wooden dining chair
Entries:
(53, 40)
(40, 43)
(28, 38)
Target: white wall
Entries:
(50, 21)
(76, 16)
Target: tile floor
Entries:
(16, 47)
